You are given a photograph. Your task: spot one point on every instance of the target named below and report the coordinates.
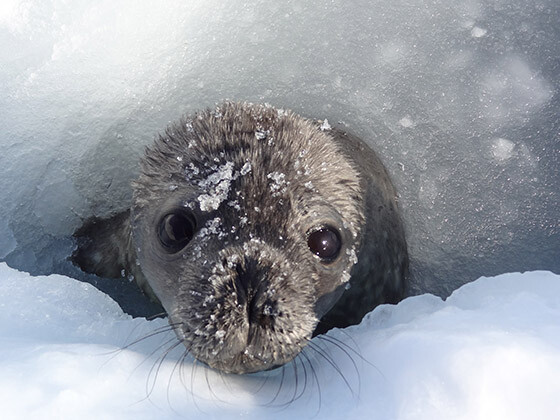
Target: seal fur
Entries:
(246, 293)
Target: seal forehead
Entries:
(254, 157)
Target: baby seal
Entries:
(255, 229)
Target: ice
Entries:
(325, 126)
(279, 184)
(245, 169)
(217, 186)
(431, 86)
(491, 350)
(477, 32)
(502, 149)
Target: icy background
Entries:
(460, 99)
(491, 351)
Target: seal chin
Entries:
(252, 360)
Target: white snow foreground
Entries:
(490, 351)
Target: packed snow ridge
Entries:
(491, 350)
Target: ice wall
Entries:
(460, 98)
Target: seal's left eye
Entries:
(176, 230)
(325, 243)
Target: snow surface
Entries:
(490, 351)
(459, 97)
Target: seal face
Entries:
(250, 224)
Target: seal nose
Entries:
(251, 291)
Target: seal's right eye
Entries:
(176, 230)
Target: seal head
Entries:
(251, 224)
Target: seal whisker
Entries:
(314, 374)
(277, 393)
(342, 345)
(262, 384)
(115, 353)
(160, 330)
(295, 395)
(157, 365)
(176, 367)
(126, 346)
(209, 385)
(331, 362)
(193, 370)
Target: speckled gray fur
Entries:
(246, 294)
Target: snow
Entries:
(217, 186)
(491, 350)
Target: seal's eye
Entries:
(176, 230)
(325, 243)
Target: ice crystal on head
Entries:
(217, 187)
(325, 126)
(352, 257)
(197, 251)
(268, 310)
(261, 134)
(213, 226)
(308, 185)
(278, 185)
(234, 204)
(189, 204)
(191, 169)
(245, 169)
(232, 260)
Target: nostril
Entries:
(240, 290)
(250, 286)
(246, 280)
(262, 314)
